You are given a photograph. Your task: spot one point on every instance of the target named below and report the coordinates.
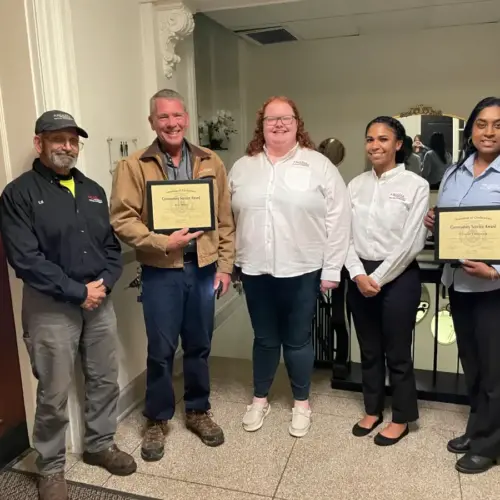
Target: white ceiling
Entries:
(318, 19)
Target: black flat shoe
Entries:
(359, 431)
(474, 464)
(459, 445)
(381, 440)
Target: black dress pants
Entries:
(475, 318)
(384, 327)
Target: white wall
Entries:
(220, 71)
(340, 84)
(108, 51)
(218, 84)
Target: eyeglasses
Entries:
(273, 120)
(60, 142)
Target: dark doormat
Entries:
(19, 485)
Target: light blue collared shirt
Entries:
(459, 188)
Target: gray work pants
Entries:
(55, 333)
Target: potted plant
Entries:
(220, 127)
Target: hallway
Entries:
(327, 463)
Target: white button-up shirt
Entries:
(387, 221)
(292, 217)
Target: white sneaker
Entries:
(301, 421)
(255, 415)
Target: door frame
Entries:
(15, 440)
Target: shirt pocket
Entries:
(490, 194)
(297, 178)
(395, 214)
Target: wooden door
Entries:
(13, 431)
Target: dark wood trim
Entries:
(13, 443)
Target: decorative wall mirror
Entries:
(431, 130)
(333, 149)
(446, 330)
(436, 141)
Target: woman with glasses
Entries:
(474, 290)
(292, 236)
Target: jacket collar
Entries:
(154, 150)
(48, 174)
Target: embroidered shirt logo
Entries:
(489, 187)
(300, 163)
(95, 199)
(397, 196)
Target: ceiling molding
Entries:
(215, 5)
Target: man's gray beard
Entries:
(63, 161)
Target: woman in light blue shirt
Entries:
(474, 290)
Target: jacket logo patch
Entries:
(397, 196)
(95, 199)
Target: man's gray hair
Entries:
(165, 94)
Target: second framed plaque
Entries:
(467, 233)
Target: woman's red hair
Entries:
(256, 145)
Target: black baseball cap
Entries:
(57, 120)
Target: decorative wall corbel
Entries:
(175, 22)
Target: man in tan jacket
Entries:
(181, 272)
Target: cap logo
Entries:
(62, 116)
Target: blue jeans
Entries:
(281, 311)
(178, 302)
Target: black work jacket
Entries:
(55, 242)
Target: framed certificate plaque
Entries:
(467, 233)
(174, 205)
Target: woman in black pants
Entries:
(474, 289)
(388, 204)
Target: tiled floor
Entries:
(328, 463)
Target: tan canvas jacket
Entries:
(129, 211)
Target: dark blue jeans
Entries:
(281, 310)
(178, 302)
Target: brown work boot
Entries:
(153, 442)
(112, 459)
(53, 487)
(201, 423)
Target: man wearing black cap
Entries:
(55, 227)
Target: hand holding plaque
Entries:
(467, 233)
(175, 205)
(180, 239)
